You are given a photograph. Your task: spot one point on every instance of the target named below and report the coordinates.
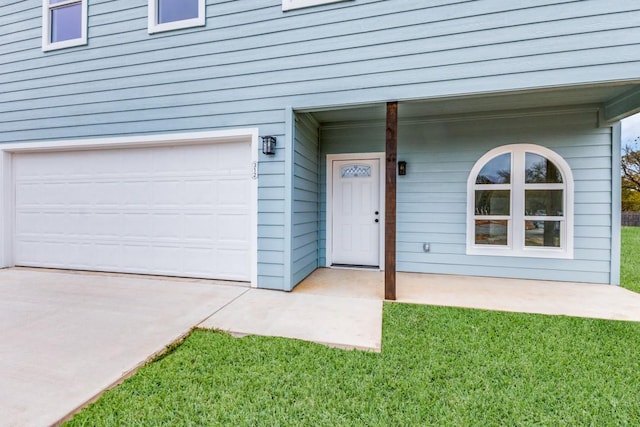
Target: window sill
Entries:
(177, 25)
(46, 47)
(299, 4)
(523, 253)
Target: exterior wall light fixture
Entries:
(269, 145)
(402, 167)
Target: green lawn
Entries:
(439, 366)
(630, 262)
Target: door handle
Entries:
(377, 220)
(377, 213)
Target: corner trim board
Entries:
(289, 141)
(6, 206)
(616, 203)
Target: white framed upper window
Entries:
(520, 203)
(298, 4)
(64, 23)
(167, 15)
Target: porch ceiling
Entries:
(622, 100)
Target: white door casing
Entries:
(355, 210)
(185, 205)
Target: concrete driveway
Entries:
(64, 337)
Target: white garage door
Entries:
(172, 210)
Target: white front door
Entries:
(356, 216)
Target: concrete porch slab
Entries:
(332, 320)
(527, 296)
(368, 284)
(65, 337)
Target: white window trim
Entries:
(154, 27)
(46, 26)
(299, 4)
(515, 246)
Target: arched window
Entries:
(520, 203)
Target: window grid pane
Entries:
(496, 171)
(492, 232)
(356, 171)
(542, 234)
(544, 203)
(492, 202)
(66, 23)
(539, 169)
(177, 10)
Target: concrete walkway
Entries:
(337, 321)
(65, 336)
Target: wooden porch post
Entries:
(390, 202)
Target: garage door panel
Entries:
(106, 256)
(79, 194)
(82, 224)
(167, 192)
(28, 223)
(55, 224)
(230, 261)
(103, 224)
(83, 253)
(135, 257)
(166, 226)
(202, 227)
(200, 261)
(51, 192)
(106, 193)
(170, 160)
(136, 225)
(200, 191)
(167, 259)
(28, 193)
(135, 193)
(31, 248)
(181, 210)
(206, 160)
(232, 192)
(233, 152)
(230, 230)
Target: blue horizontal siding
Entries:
(305, 199)
(242, 36)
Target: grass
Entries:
(439, 366)
(630, 258)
